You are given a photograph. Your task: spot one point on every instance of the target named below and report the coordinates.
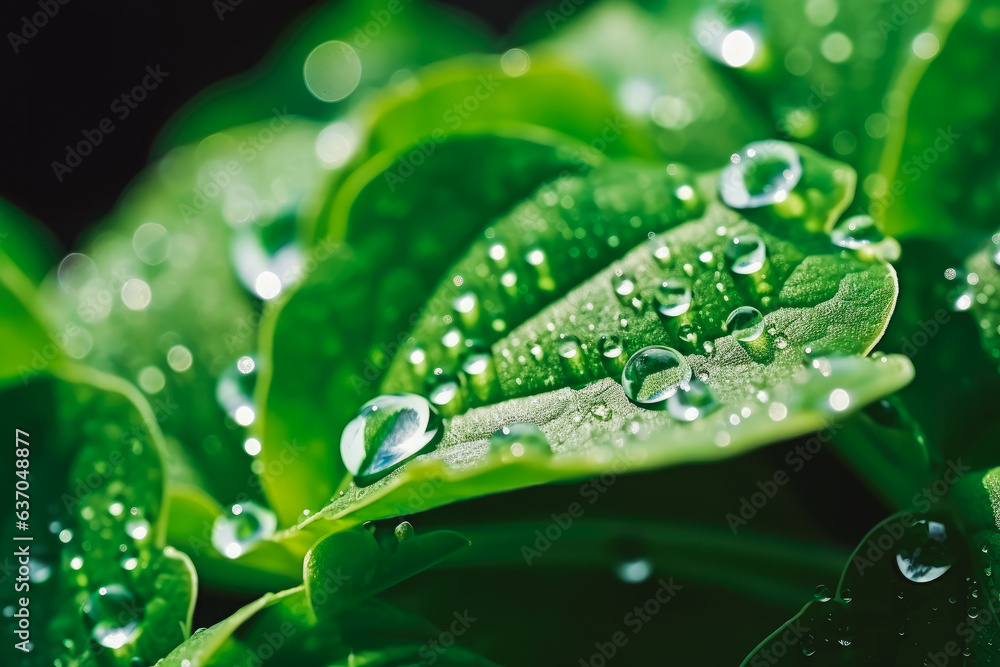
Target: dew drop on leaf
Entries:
(612, 353)
(746, 254)
(388, 431)
(244, 525)
(925, 553)
(673, 297)
(745, 324)
(518, 440)
(856, 232)
(112, 614)
(694, 400)
(764, 173)
(653, 374)
(634, 570)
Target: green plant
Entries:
(618, 258)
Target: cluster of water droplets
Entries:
(923, 554)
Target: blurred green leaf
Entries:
(114, 589)
(389, 38)
(347, 567)
(876, 616)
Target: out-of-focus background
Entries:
(62, 79)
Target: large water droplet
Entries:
(925, 553)
(745, 324)
(856, 232)
(388, 431)
(763, 173)
(516, 441)
(746, 254)
(113, 615)
(653, 374)
(693, 401)
(673, 297)
(244, 525)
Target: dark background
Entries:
(62, 80)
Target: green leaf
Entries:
(196, 229)
(474, 94)
(384, 48)
(392, 240)
(884, 444)
(280, 629)
(875, 616)
(822, 306)
(772, 568)
(202, 646)
(940, 186)
(979, 294)
(113, 589)
(25, 256)
(689, 109)
(347, 567)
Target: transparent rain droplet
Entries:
(519, 440)
(856, 232)
(925, 552)
(746, 254)
(634, 570)
(745, 324)
(388, 431)
(653, 374)
(612, 350)
(673, 297)
(764, 173)
(693, 401)
(245, 524)
(113, 616)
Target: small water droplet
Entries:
(688, 333)
(660, 250)
(624, 286)
(673, 297)
(823, 593)
(653, 374)
(612, 353)
(746, 254)
(764, 173)
(244, 525)
(634, 570)
(519, 440)
(856, 232)
(138, 529)
(693, 401)
(404, 531)
(445, 391)
(745, 324)
(388, 431)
